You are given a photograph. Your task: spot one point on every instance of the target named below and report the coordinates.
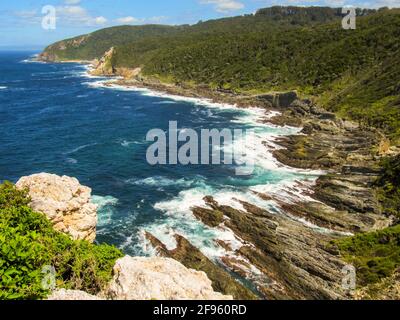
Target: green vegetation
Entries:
(94, 45)
(352, 72)
(375, 255)
(389, 186)
(28, 243)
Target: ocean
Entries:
(55, 118)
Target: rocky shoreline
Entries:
(287, 256)
(292, 259)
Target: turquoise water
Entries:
(56, 119)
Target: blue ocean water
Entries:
(56, 119)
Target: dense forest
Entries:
(352, 72)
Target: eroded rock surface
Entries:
(65, 202)
(160, 279)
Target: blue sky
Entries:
(21, 20)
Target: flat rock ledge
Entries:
(65, 202)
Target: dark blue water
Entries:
(55, 119)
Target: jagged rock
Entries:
(65, 202)
(161, 279)
(65, 295)
(291, 256)
(212, 218)
(352, 193)
(191, 257)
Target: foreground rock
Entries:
(160, 279)
(72, 295)
(65, 202)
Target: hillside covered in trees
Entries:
(352, 72)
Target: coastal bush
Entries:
(389, 186)
(28, 243)
(375, 255)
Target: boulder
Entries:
(65, 202)
(159, 278)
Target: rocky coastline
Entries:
(283, 256)
(292, 259)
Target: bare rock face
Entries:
(159, 278)
(104, 66)
(71, 295)
(65, 202)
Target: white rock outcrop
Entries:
(159, 278)
(65, 202)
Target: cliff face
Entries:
(104, 66)
(65, 202)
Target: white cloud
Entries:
(224, 6)
(77, 15)
(133, 20)
(72, 2)
(26, 14)
(100, 20)
(127, 20)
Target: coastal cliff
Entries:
(66, 205)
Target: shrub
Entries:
(375, 255)
(28, 243)
(389, 186)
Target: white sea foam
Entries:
(107, 84)
(3, 87)
(75, 150)
(164, 182)
(126, 143)
(105, 208)
(179, 218)
(71, 161)
(165, 102)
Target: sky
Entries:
(21, 26)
